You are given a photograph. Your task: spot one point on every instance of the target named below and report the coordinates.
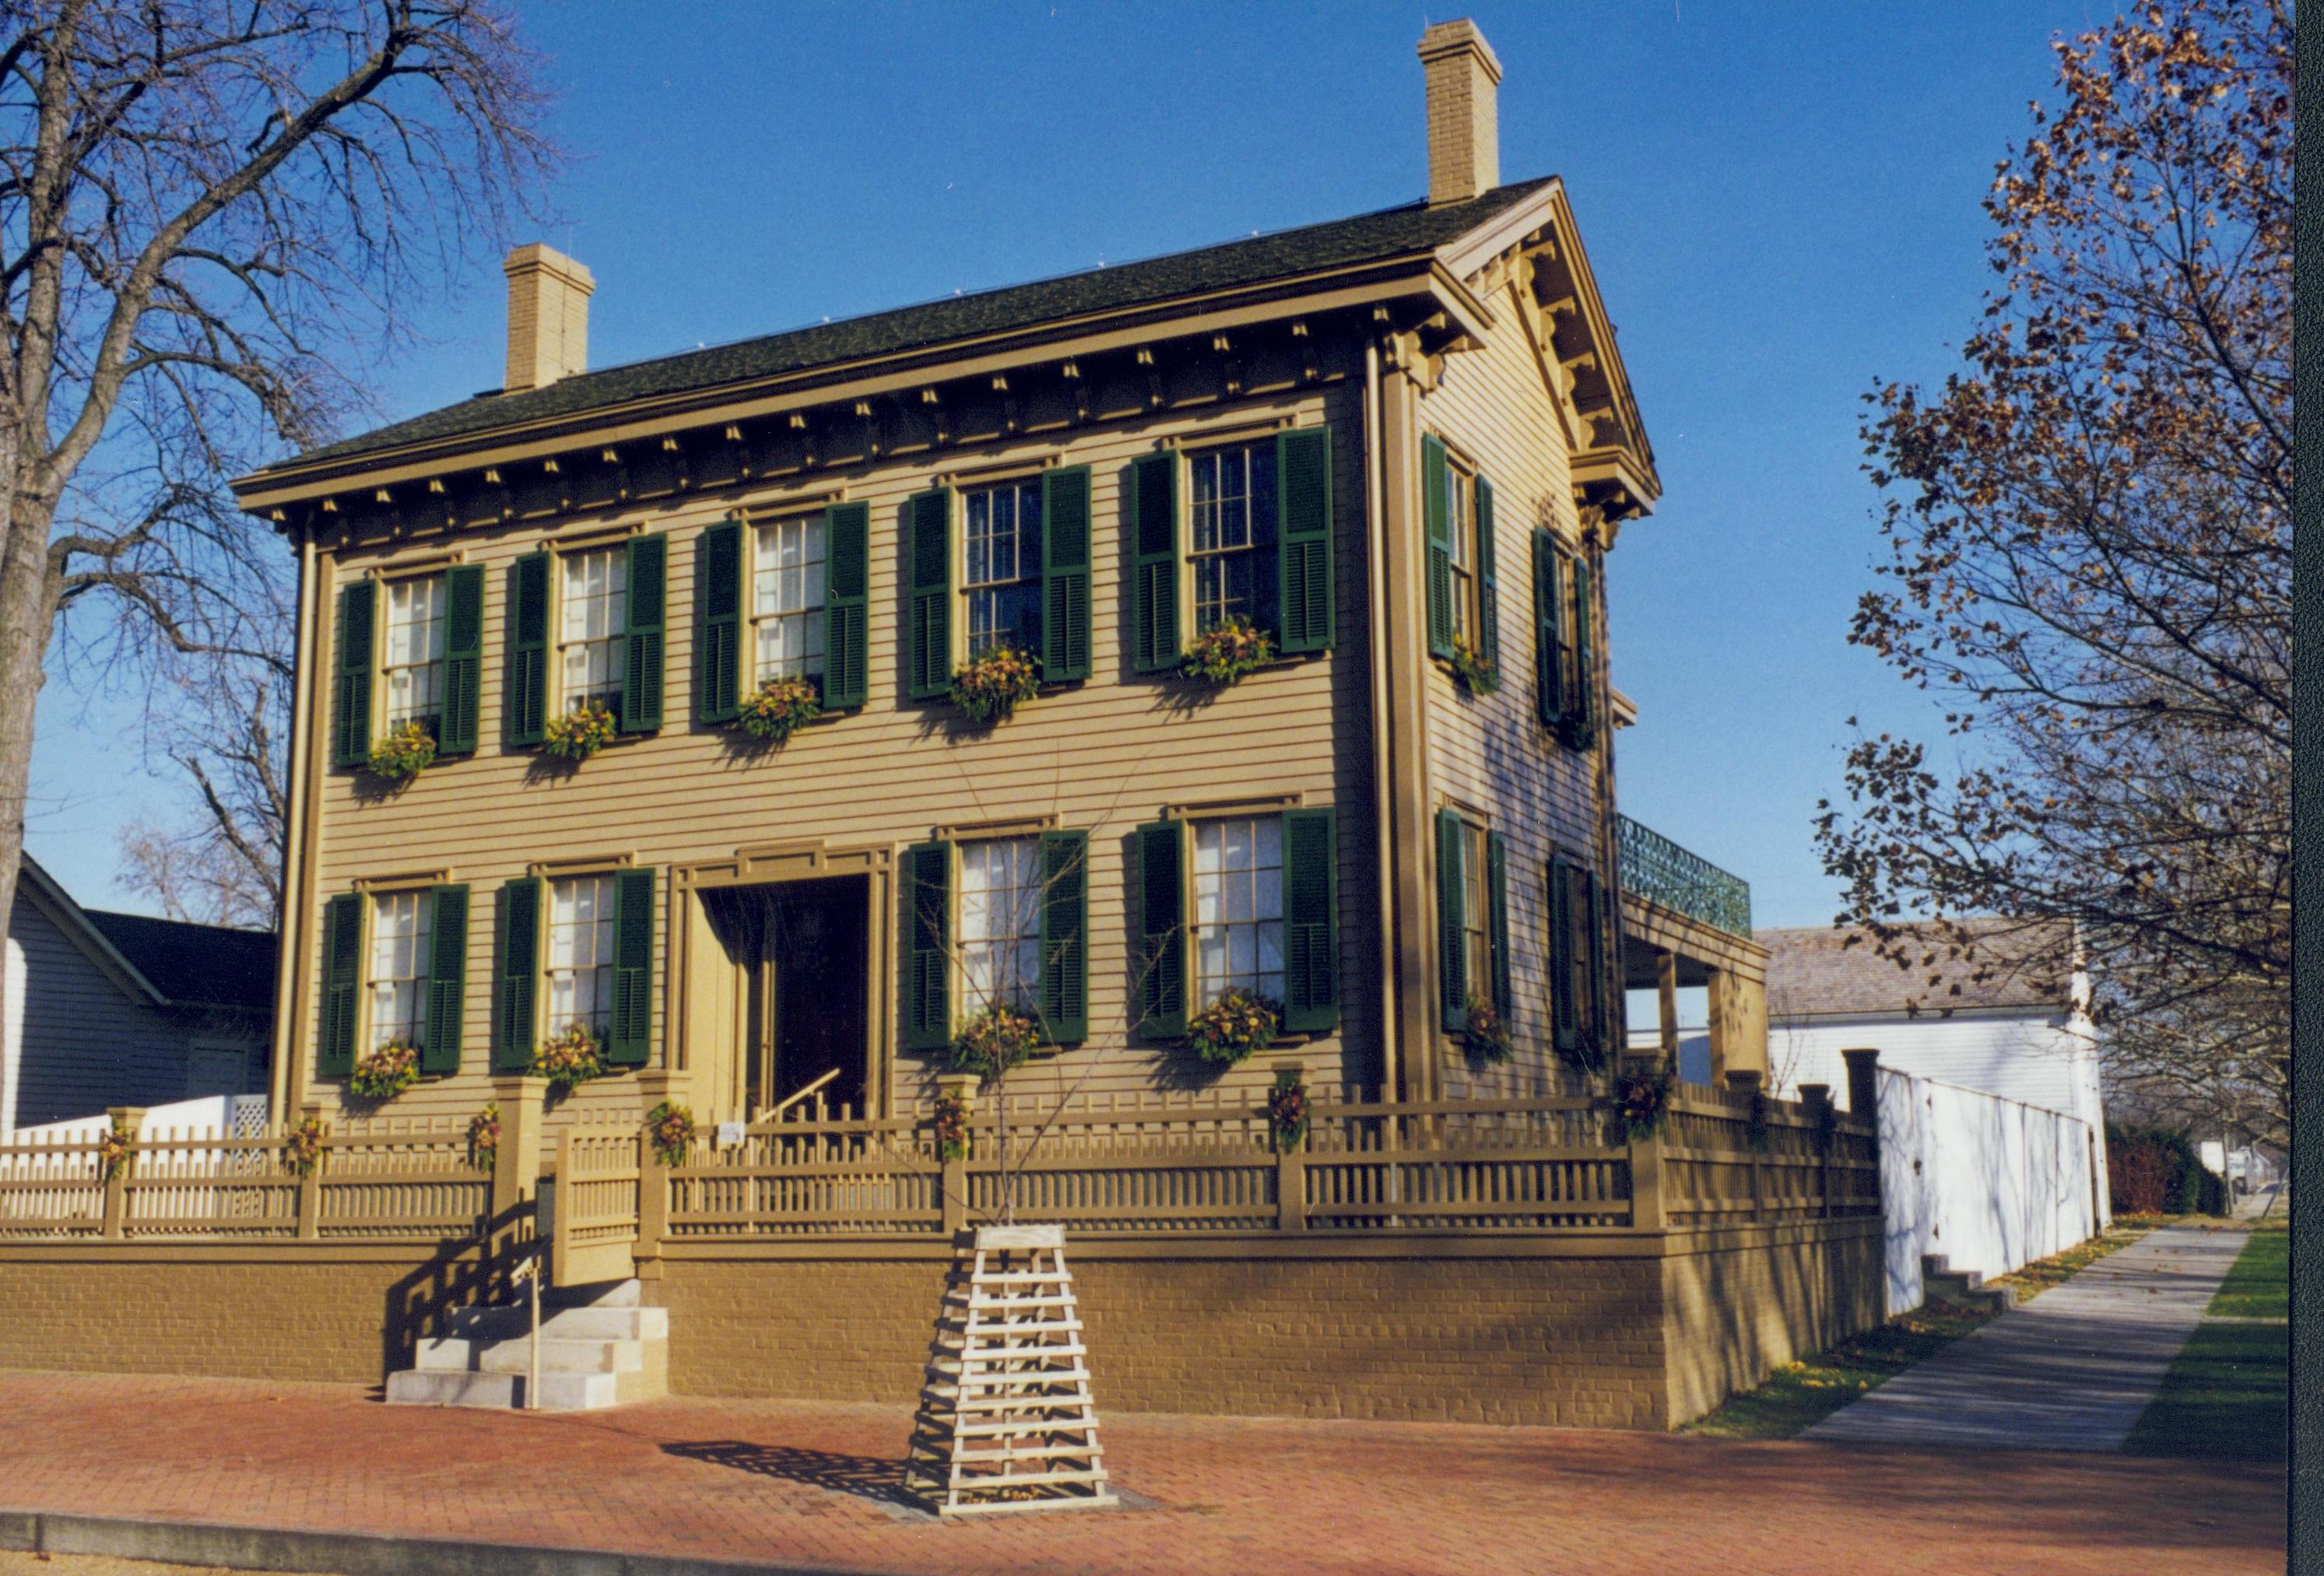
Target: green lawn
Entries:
(2259, 1286)
(2224, 1396)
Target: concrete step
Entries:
(558, 1392)
(610, 1293)
(514, 1355)
(586, 1323)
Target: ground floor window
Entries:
(580, 970)
(1239, 907)
(1000, 923)
(400, 927)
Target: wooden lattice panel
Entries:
(1006, 1420)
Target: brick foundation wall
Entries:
(1735, 1312)
(319, 1313)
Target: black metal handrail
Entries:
(1658, 869)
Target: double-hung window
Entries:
(1000, 923)
(580, 971)
(1000, 568)
(1239, 907)
(1233, 535)
(592, 619)
(412, 664)
(787, 614)
(401, 931)
(1476, 918)
(1460, 523)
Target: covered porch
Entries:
(1687, 923)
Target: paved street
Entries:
(2070, 1370)
(810, 1485)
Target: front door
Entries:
(810, 990)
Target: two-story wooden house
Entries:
(1399, 445)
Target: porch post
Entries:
(1666, 1002)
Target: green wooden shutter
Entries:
(1066, 574)
(928, 931)
(1434, 508)
(464, 658)
(1311, 921)
(448, 979)
(927, 661)
(1563, 1016)
(1488, 579)
(524, 703)
(1303, 471)
(334, 1054)
(351, 694)
(649, 576)
(1452, 908)
(1162, 930)
(1497, 891)
(718, 623)
(1154, 573)
(1581, 705)
(846, 605)
(1548, 633)
(1064, 936)
(516, 973)
(630, 1031)
(1593, 1025)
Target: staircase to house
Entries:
(599, 1347)
(1966, 1288)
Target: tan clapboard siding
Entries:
(1102, 756)
(1491, 752)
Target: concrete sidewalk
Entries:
(2070, 1370)
(315, 1478)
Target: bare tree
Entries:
(223, 726)
(2090, 533)
(205, 204)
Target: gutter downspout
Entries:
(1376, 528)
(288, 932)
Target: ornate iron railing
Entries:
(1656, 868)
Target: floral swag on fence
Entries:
(670, 1128)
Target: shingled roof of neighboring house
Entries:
(1827, 972)
(1409, 230)
(195, 965)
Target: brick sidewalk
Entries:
(810, 1484)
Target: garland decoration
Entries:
(776, 710)
(1486, 1037)
(1233, 1026)
(113, 1150)
(996, 1039)
(485, 1136)
(568, 1060)
(1286, 1112)
(404, 753)
(951, 1125)
(1642, 1103)
(669, 1128)
(579, 733)
(382, 1074)
(989, 687)
(302, 1146)
(1227, 652)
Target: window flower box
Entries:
(990, 687)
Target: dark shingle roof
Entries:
(1819, 973)
(195, 965)
(1343, 242)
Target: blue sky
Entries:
(1781, 204)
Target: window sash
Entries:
(593, 617)
(411, 662)
(1237, 919)
(1460, 517)
(1000, 923)
(1476, 922)
(1231, 515)
(403, 926)
(1000, 562)
(579, 975)
(787, 620)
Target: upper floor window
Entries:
(1233, 522)
(593, 614)
(1000, 923)
(580, 971)
(789, 621)
(400, 935)
(1460, 523)
(1000, 567)
(412, 663)
(1239, 907)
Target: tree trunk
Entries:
(28, 608)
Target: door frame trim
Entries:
(771, 864)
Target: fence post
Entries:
(130, 1118)
(1816, 1098)
(310, 1186)
(654, 1182)
(1291, 1187)
(1646, 1183)
(1864, 1100)
(1744, 1086)
(952, 1181)
(516, 1160)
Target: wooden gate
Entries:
(595, 1225)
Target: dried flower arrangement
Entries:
(775, 711)
(579, 733)
(1234, 1026)
(402, 753)
(1472, 669)
(996, 1039)
(1227, 652)
(669, 1128)
(568, 1060)
(385, 1072)
(991, 687)
(1487, 1036)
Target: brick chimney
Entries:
(1464, 125)
(548, 317)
